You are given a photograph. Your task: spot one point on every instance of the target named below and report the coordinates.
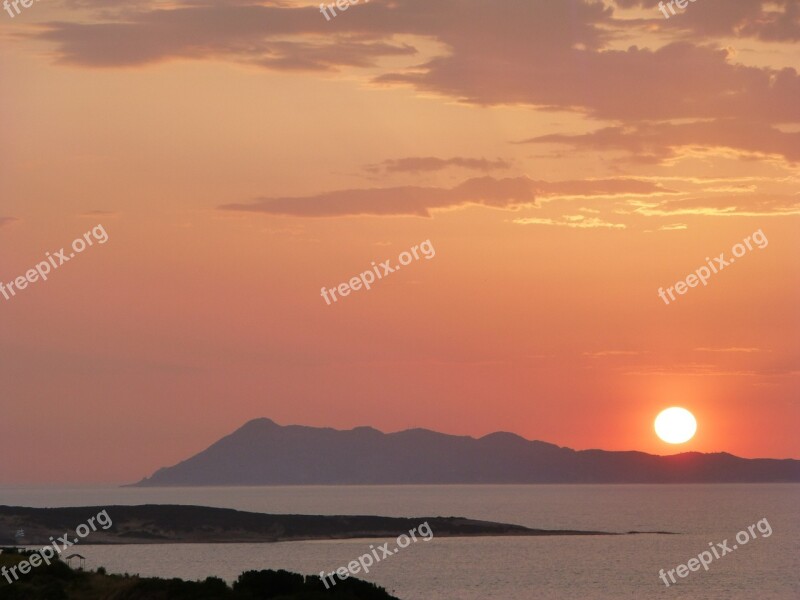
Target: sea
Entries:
(491, 568)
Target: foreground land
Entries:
(154, 523)
(59, 582)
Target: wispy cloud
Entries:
(673, 227)
(575, 221)
(419, 164)
(603, 353)
(734, 349)
(712, 370)
(98, 213)
(725, 206)
(505, 193)
(657, 143)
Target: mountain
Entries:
(261, 452)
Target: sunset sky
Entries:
(566, 159)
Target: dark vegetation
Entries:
(59, 582)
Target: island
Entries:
(171, 524)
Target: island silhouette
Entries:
(261, 452)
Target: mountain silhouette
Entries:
(261, 452)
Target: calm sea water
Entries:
(492, 568)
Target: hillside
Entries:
(57, 581)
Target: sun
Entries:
(675, 425)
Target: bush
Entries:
(262, 585)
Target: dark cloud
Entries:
(537, 52)
(552, 55)
(677, 81)
(420, 201)
(250, 34)
(777, 20)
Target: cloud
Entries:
(7, 220)
(574, 221)
(420, 201)
(655, 143)
(754, 205)
(777, 20)
(707, 370)
(677, 81)
(744, 350)
(415, 164)
(603, 353)
(673, 227)
(98, 213)
(274, 37)
(551, 55)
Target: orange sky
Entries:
(565, 159)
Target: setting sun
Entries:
(675, 425)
